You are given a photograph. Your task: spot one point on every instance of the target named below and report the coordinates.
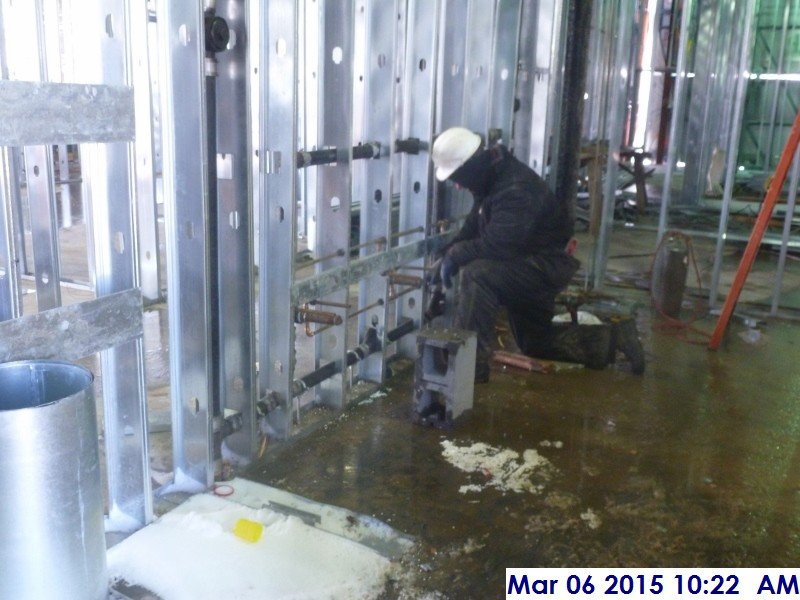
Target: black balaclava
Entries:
(476, 174)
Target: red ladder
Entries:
(764, 215)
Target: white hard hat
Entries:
(452, 149)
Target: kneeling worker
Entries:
(511, 251)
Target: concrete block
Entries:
(444, 374)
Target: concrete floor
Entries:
(695, 463)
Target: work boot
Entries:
(589, 345)
(625, 338)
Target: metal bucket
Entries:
(52, 540)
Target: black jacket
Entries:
(517, 217)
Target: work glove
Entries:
(447, 271)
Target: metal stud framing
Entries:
(477, 82)
(236, 366)
(10, 295)
(418, 121)
(503, 68)
(540, 64)
(741, 79)
(277, 111)
(451, 85)
(334, 192)
(372, 179)
(147, 217)
(618, 82)
(186, 210)
(452, 72)
(109, 173)
(29, 17)
(710, 104)
(676, 126)
(101, 39)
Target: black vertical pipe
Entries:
(217, 35)
(579, 21)
(212, 41)
(213, 241)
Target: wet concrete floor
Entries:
(695, 463)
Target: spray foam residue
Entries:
(591, 518)
(502, 468)
(192, 552)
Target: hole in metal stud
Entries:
(183, 34)
(119, 242)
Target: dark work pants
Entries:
(526, 287)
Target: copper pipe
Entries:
(339, 253)
(312, 332)
(381, 241)
(307, 315)
(327, 303)
(396, 278)
(408, 232)
(521, 361)
(394, 296)
(365, 309)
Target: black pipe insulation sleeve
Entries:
(370, 345)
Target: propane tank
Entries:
(668, 279)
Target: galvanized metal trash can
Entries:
(52, 539)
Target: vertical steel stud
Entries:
(147, 214)
(186, 211)
(103, 48)
(334, 181)
(372, 179)
(618, 81)
(10, 295)
(504, 68)
(277, 203)
(236, 354)
(418, 120)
